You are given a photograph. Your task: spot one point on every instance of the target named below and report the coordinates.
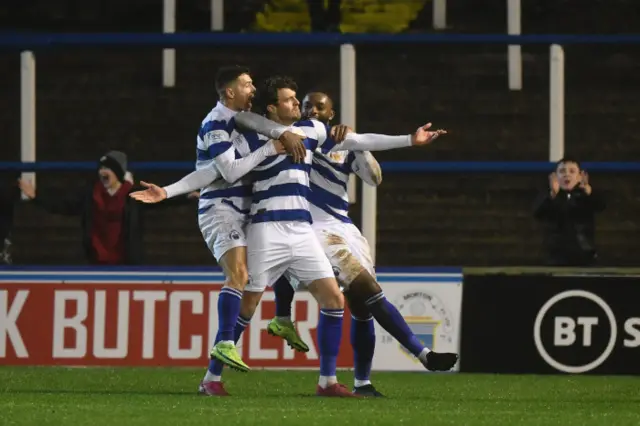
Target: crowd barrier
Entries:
(524, 321)
(97, 317)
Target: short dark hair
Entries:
(268, 92)
(334, 102)
(568, 160)
(227, 75)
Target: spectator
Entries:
(324, 19)
(9, 196)
(568, 210)
(111, 220)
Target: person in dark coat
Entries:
(568, 209)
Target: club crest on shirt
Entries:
(216, 136)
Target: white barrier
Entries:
(217, 15)
(348, 99)
(556, 103)
(514, 51)
(439, 14)
(169, 55)
(28, 112)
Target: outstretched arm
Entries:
(194, 181)
(371, 142)
(377, 142)
(328, 141)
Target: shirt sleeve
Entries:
(317, 135)
(365, 166)
(232, 169)
(192, 182)
(259, 124)
(216, 135)
(371, 142)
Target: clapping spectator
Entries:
(568, 208)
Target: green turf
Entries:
(126, 396)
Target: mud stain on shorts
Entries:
(349, 267)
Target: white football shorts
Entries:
(284, 248)
(222, 231)
(347, 250)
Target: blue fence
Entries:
(22, 41)
(32, 41)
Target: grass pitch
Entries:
(146, 396)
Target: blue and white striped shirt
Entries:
(281, 188)
(329, 178)
(217, 137)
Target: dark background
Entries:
(93, 100)
(500, 312)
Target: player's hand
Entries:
(554, 184)
(279, 147)
(27, 188)
(293, 145)
(153, 194)
(195, 195)
(424, 136)
(339, 132)
(584, 182)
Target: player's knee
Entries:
(238, 276)
(357, 306)
(327, 293)
(332, 298)
(363, 286)
(334, 302)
